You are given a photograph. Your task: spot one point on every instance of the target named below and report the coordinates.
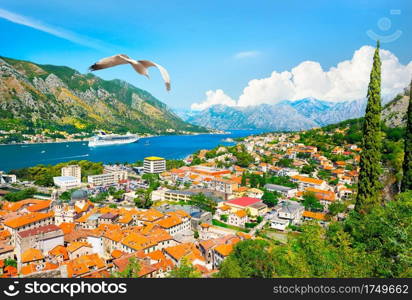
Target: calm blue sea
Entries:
(170, 147)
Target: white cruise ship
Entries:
(103, 139)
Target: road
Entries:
(260, 225)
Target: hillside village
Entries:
(264, 187)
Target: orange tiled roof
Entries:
(84, 264)
(34, 268)
(322, 194)
(77, 245)
(31, 254)
(4, 234)
(224, 207)
(150, 215)
(188, 250)
(156, 255)
(224, 249)
(125, 219)
(137, 241)
(308, 179)
(314, 215)
(170, 222)
(67, 227)
(28, 219)
(59, 250)
(243, 235)
(116, 253)
(241, 213)
(32, 205)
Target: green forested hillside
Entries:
(35, 97)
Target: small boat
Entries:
(67, 146)
(43, 151)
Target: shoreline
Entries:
(87, 140)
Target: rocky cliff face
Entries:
(394, 113)
(61, 98)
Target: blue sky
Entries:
(205, 45)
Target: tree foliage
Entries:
(407, 161)
(203, 202)
(20, 195)
(369, 184)
(376, 244)
(184, 270)
(311, 202)
(131, 271)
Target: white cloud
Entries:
(59, 32)
(346, 81)
(246, 54)
(213, 98)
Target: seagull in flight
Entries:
(140, 66)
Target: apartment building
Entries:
(154, 165)
(28, 221)
(72, 170)
(107, 179)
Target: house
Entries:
(220, 253)
(305, 182)
(317, 216)
(6, 251)
(28, 221)
(29, 256)
(188, 251)
(325, 197)
(283, 190)
(238, 218)
(108, 218)
(254, 193)
(85, 266)
(176, 195)
(290, 210)
(225, 186)
(58, 254)
(175, 223)
(255, 206)
(278, 223)
(27, 206)
(43, 238)
(344, 192)
(78, 249)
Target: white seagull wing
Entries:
(163, 71)
(108, 62)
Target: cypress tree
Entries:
(407, 159)
(369, 185)
(244, 180)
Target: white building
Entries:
(154, 165)
(5, 178)
(279, 224)
(66, 182)
(72, 170)
(107, 179)
(43, 238)
(285, 191)
(96, 242)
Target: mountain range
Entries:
(283, 116)
(35, 96)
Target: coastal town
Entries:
(164, 215)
